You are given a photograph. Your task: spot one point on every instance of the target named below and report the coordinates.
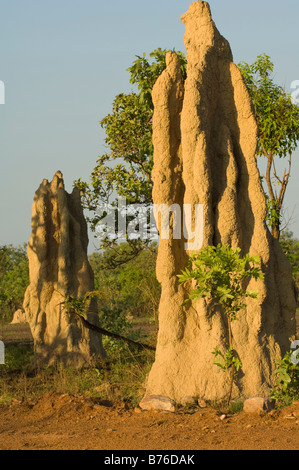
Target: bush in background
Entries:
(14, 279)
(132, 286)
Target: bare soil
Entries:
(63, 422)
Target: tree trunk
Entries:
(275, 231)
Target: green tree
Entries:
(219, 273)
(14, 278)
(126, 170)
(290, 246)
(278, 131)
(132, 287)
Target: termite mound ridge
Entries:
(59, 267)
(205, 141)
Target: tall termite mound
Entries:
(59, 267)
(205, 141)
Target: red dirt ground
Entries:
(63, 422)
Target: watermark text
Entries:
(151, 222)
(2, 353)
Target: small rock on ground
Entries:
(157, 402)
(259, 405)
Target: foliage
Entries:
(133, 284)
(229, 359)
(119, 325)
(286, 388)
(122, 379)
(290, 246)
(14, 279)
(144, 73)
(273, 217)
(126, 291)
(278, 130)
(113, 318)
(219, 273)
(17, 356)
(125, 171)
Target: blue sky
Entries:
(64, 61)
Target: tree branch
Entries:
(104, 332)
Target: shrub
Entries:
(219, 273)
(286, 388)
(14, 279)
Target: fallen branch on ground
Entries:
(80, 305)
(104, 332)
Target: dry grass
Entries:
(122, 378)
(15, 333)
